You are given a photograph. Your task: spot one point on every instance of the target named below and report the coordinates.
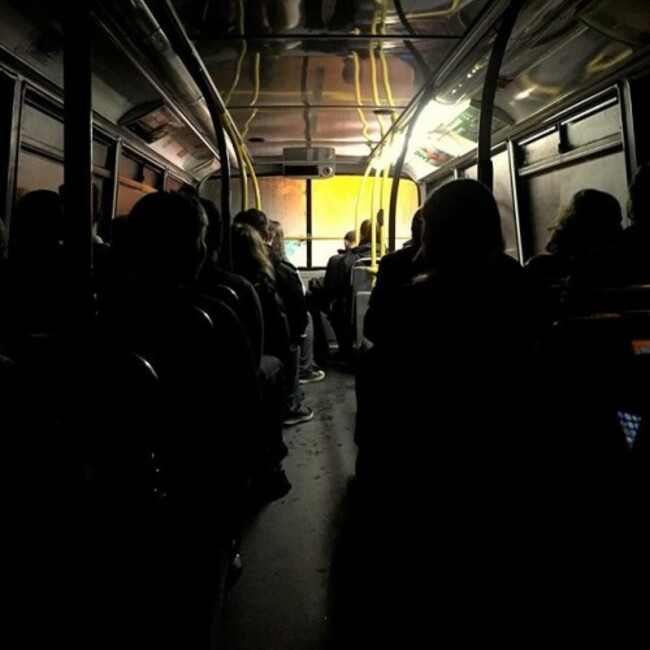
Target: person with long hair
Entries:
(309, 372)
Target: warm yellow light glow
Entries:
(389, 153)
(334, 204)
(430, 128)
(434, 117)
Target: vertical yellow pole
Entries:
(376, 201)
(360, 197)
(384, 211)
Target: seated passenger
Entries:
(465, 317)
(35, 273)
(591, 221)
(244, 301)
(309, 371)
(211, 445)
(319, 301)
(248, 306)
(251, 261)
(291, 292)
(395, 270)
(337, 289)
(166, 243)
(445, 456)
(626, 263)
(349, 241)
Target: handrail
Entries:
(191, 59)
(485, 170)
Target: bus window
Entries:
(37, 173)
(285, 200)
(333, 205)
(503, 194)
(134, 183)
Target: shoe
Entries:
(311, 376)
(301, 414)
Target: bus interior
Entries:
(323, 115)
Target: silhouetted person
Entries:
(395, 270)
(338, 293)
(465, 316)
(291, 291)
(444, 448)
(241, 296)
(319, 299)
(35, 267)
(349, 241)
(626, 263)
(211, 276)
(208, 443)
(591, 221)
(309, 372)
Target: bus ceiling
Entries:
(315, 88)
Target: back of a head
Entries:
(365, 232)
(639, 203)
(166, 236)
(96, 198)
(350, 239)
(277, 241)
(592, 220)
(461, 223)
(214, 234)
(36, 224)
(257, 219)
(249, 253)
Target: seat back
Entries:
(603, 371)
(361, 277)
(623, 299)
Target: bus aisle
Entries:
(283, 597)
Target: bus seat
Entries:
(361, 281)
(602, 372)
(167, 464)
(362, 299)
(361, 277)
(227, 295)
(614, 299)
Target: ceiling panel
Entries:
(322, 73)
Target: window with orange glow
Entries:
(127, 197)
(333, 208)
(334, 205)
(285, 200)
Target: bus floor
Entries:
(285, 596)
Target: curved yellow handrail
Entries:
(373, 72)
(253, 177)
(227, 124)
(362, 190)
(357, 90)
(384, 64)
(434, 14)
